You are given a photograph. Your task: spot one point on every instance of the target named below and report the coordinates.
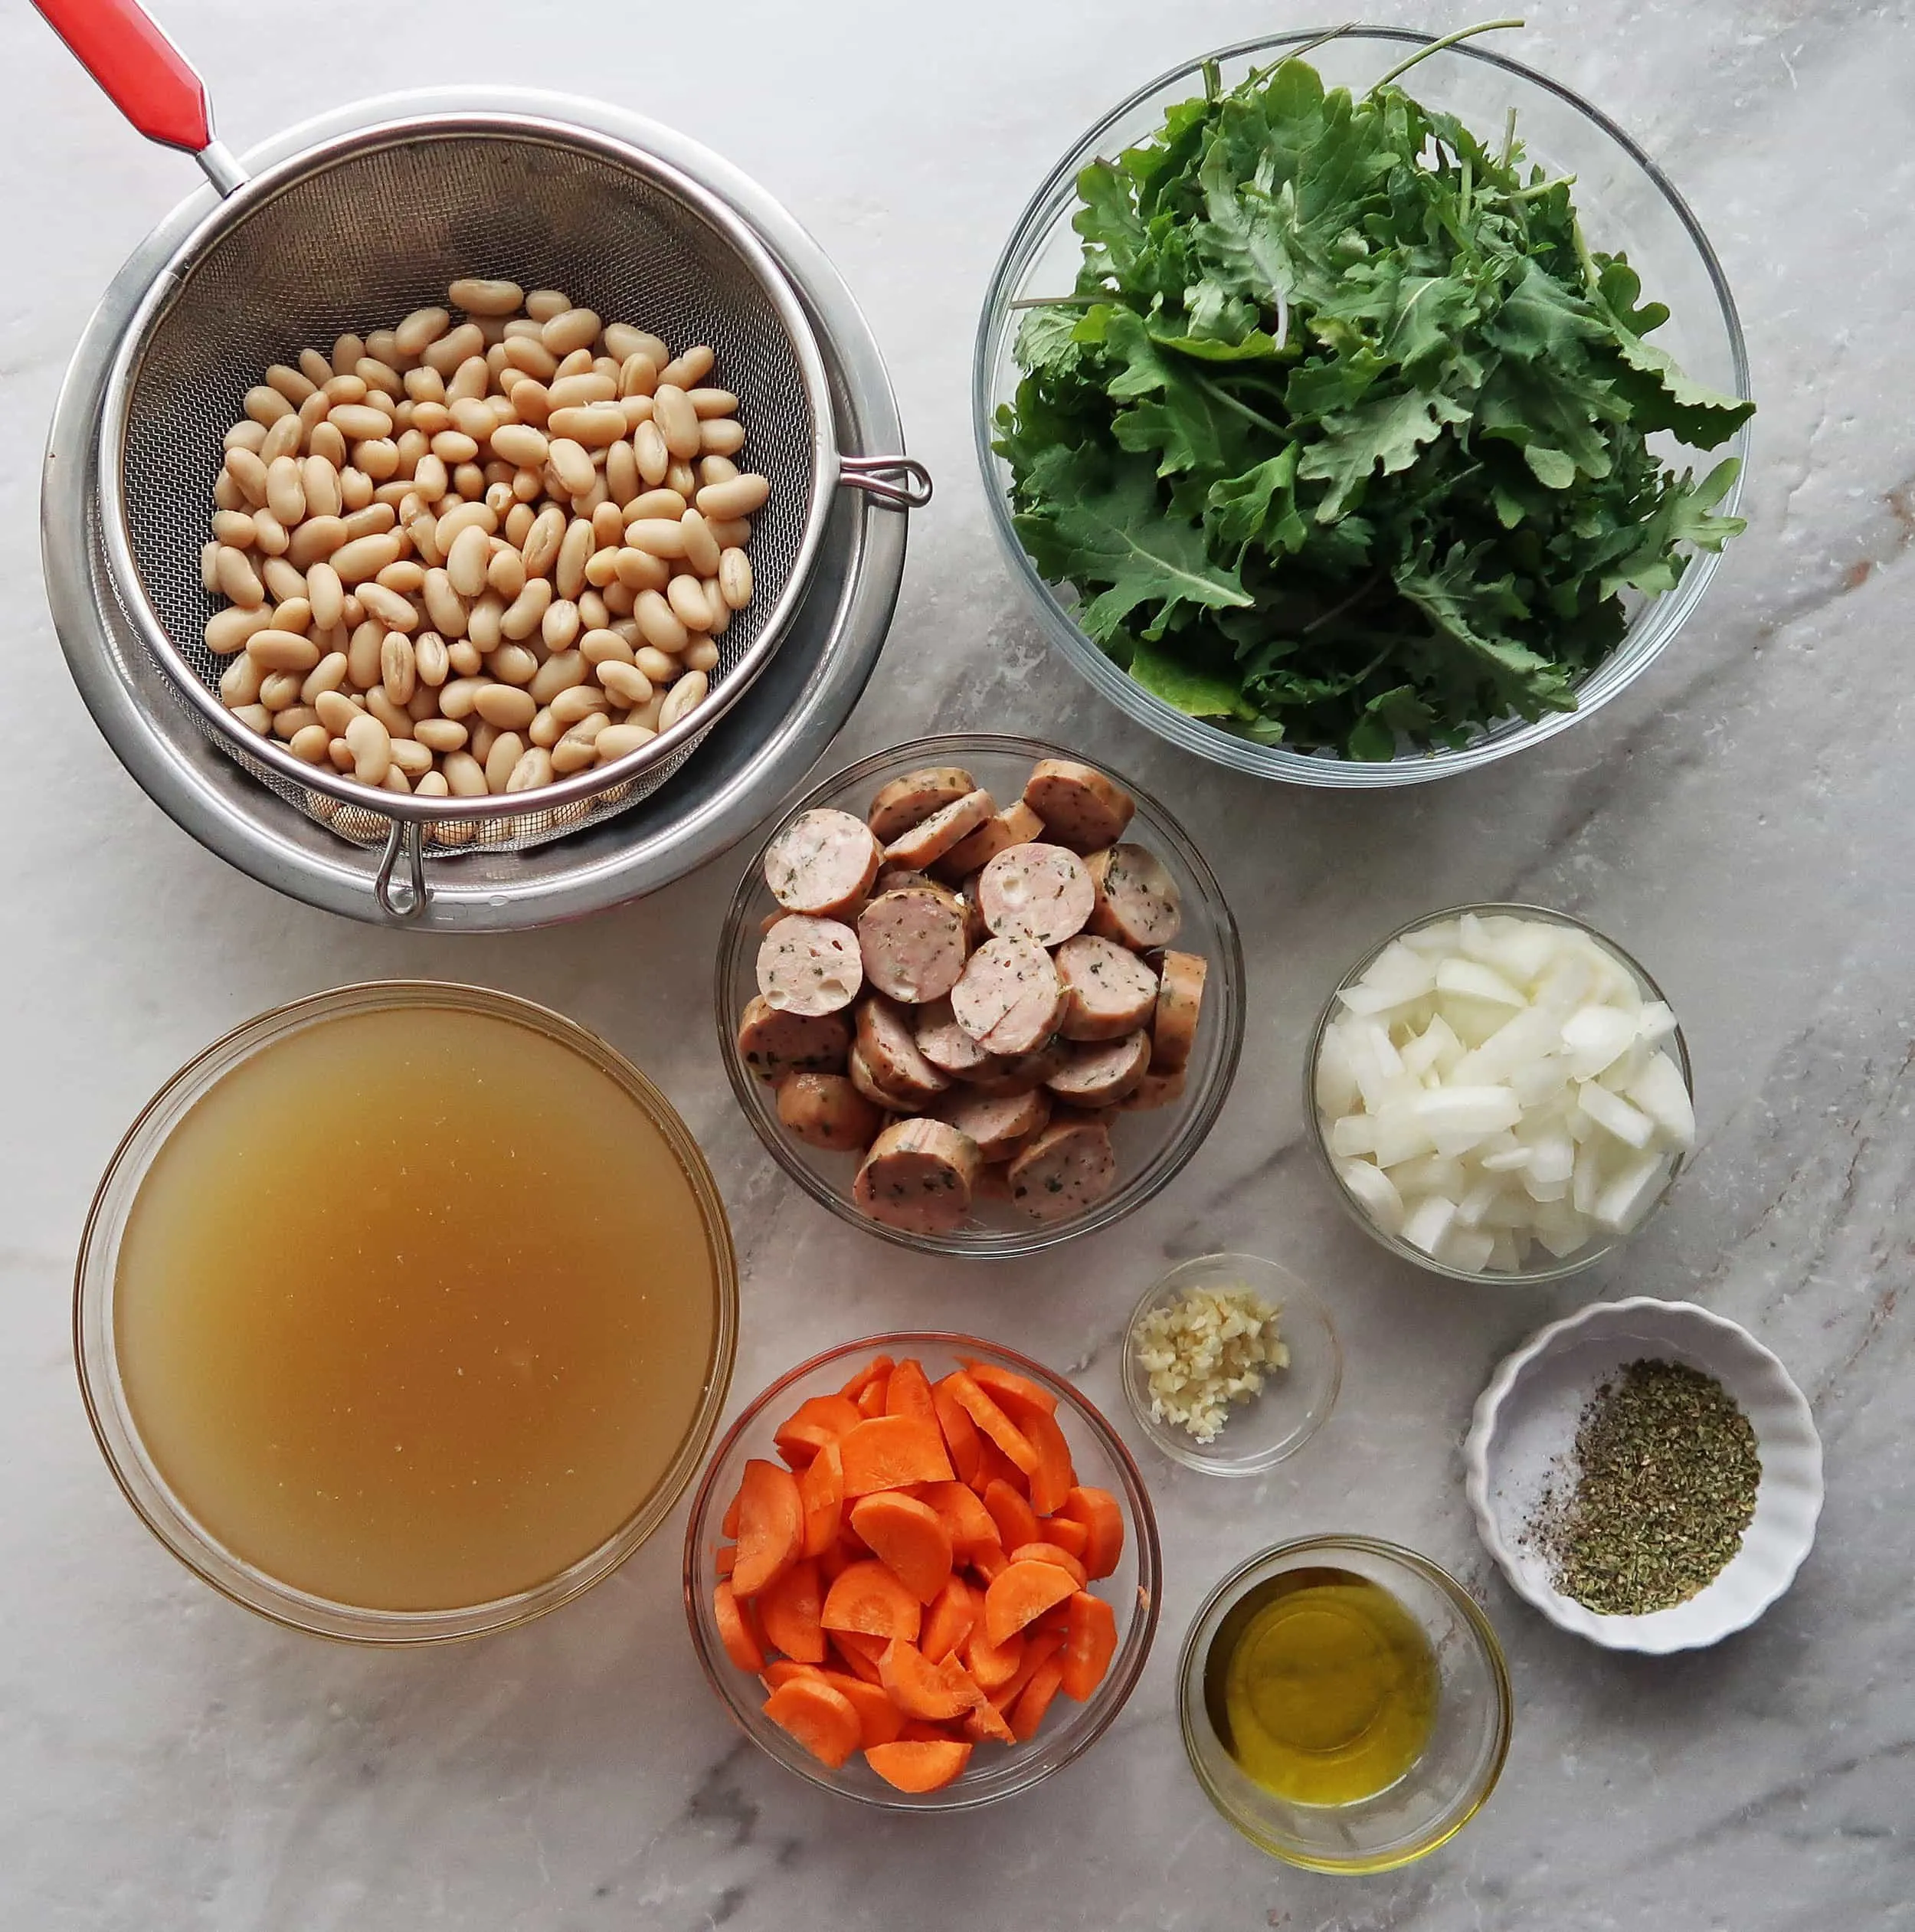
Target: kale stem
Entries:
(1437, 46)
(1055, 301)
(1243, 409)
(1350, 602)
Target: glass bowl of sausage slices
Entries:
(980, 995)
(922, 1571)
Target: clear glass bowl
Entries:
(995, 1772)
(1552, 1270)
(96, 1347)
(1151, 1145)
(1446, 1787)
(1627, 203)
(1295, 1401)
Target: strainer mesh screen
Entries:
(360, 241)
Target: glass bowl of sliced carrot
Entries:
(922, 1570)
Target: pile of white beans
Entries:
(482, 550)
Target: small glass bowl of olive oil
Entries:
(1344, 1703)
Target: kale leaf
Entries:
(1342, 435)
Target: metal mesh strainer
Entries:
(350, 235)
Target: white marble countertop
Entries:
(1740, 820)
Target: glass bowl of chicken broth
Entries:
(405, 1312)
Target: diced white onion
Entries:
(1493, 1085)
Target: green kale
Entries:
(1342, 435)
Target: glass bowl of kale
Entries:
(1359, 408)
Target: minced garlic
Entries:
(1204, 1351)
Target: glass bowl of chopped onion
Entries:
(1500, 1092)
(1231, 1364)
(1306, 589)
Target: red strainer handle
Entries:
(144, 74)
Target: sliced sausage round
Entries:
(810, 966)
(881, 1097)
(1108, 991)
(1069, 1167)
(1021, 1072)
(773, 1044)
(1001, 1125)
(910, 800)
(885, 1044)
(1016, 825)
(1137, 902)
(1040, 892)
(1154, 1090)
(826, 1110)
(931, 838)
(975, 929)
(1180, 1003)
(913, 944)
(1080, 808)
(901, 879)
(1100, 1073)
(946, 1044)
(823, 863)
(919, 1175)
(1009, 997)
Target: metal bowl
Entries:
(755, 754)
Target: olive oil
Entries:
(415, 1308)
(1321, 1687)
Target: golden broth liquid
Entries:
(414, 1309)
(1321, 1686)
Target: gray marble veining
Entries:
(1739, 819)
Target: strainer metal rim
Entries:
(408, 117)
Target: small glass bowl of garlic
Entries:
(1231, 1364)
(1499, 1092)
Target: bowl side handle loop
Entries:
(403, 900)
(899, 482)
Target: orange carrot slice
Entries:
(879, 1721)
(1016, 1521)
(985, 1721)
(867, 1600)
(834, 1563)
(992, 1421)
(1020, 1595)
(1011, 1390)
(820, 1718)
(954, 1613)
(792, 1608)
(921, 1730)
(821, 1494)
(993, 1465)
(1035, 1699)
(1066, 1531)
(874, 1370)
(1053, 1479)
(770, 1526)
(741, 1645)
(782, 1670)
(994, 1665)
(889, 1452)
(820, 1420)
(961, 1433)
(729, 1527)
(966, 1520)
(908, 1538)
(848, 1648)
(919, 1766)
(1090, 1643)
(988, 1559)
(1038, 1553)
(872, 1403)
(1097, 1510)
(908, 1392)
(723, 1557)
(920, 1688)
(1039, 1647)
